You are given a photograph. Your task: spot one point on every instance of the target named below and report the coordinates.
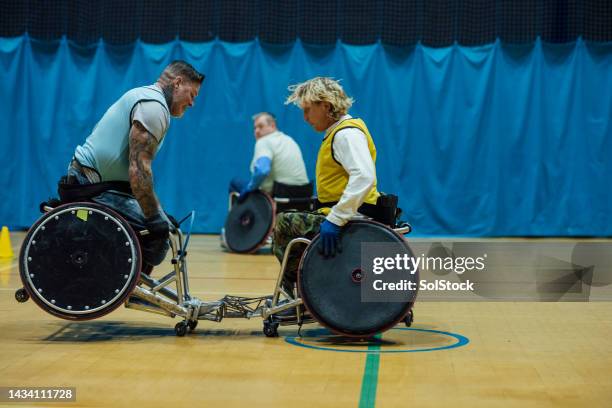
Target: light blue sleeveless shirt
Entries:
(106, 149)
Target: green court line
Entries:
(369, 382)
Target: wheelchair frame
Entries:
(170, 294)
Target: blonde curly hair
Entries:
(321, 89)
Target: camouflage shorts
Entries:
(290, 225)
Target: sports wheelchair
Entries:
(249, 224)
(82, 260)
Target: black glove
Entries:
(172, 220)
(158, 227)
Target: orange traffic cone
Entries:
(6, 251)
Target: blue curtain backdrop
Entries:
(488, 140)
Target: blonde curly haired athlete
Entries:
(321, 89)
(345, 170)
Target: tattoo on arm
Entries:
(143, 146)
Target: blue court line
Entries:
(461, 341)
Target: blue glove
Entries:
(262, 168)
(244, 193)
(330, 233)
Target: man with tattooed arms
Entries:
(113, 166)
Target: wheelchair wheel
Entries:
(331, 288)
(80, 261)
(250, 223)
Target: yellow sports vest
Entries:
(331, 176)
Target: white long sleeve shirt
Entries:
(350, 149)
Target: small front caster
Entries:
(21, 295)
(192, 325)
(409, 319)
(180, 329)
(270, 329)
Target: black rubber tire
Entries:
(21, 295)
(181, 329)
(409, 318)
(270, 329)
(192, 325)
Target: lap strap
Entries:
(71, 192)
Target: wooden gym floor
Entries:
(480, 354)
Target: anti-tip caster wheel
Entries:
(270, 329)
(21, 295)
(409, 319)
(192, 325)
(180, 329)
